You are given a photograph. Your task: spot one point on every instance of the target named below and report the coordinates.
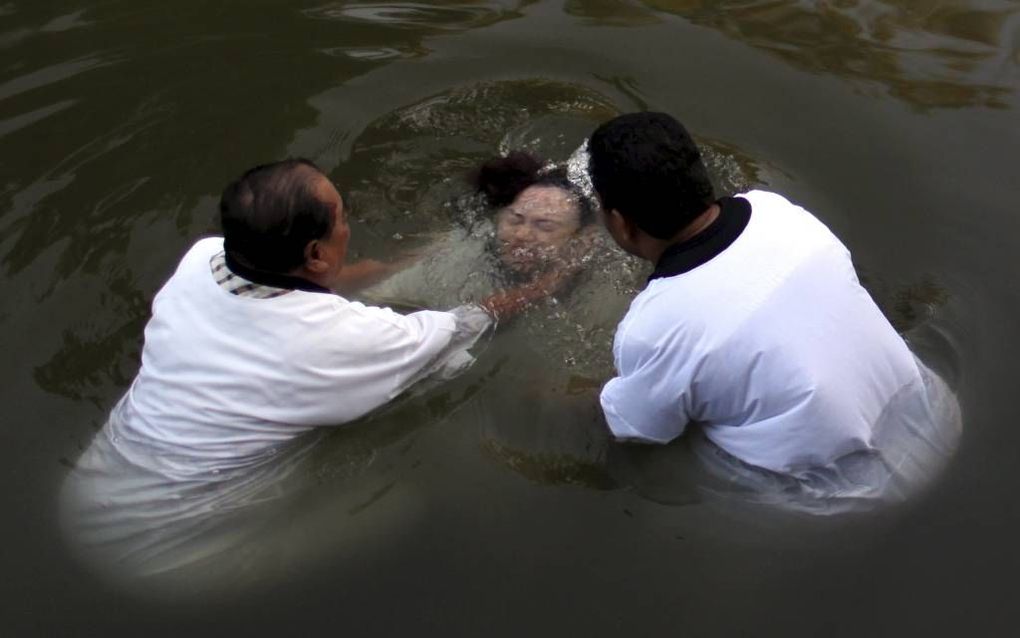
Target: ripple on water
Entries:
(66, 22)
(415, 158)
(376, 54)
(18, 122)
(51, 75)
(930, 54)
(411, 15)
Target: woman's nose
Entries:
(524, 233)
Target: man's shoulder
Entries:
(764, 197)
(660, 313)
(204, 246)
(775, 207)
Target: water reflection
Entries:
(924, 52)
(110, 186)
(407, 167)
(614, 12)
(227, 530)
(128, 521)
(417, 15)
(376, 53)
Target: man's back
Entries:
(772, 345)
(227, 377)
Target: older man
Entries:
(752, 324)
(248, 346)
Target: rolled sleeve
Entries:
(462, 328)
(647, 400)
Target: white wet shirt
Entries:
(771, 345)
(225, 379)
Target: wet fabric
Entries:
(126, 519)
(914, 440)
(771, 346)
(227, 387)
(224, 379)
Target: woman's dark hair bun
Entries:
(502, 179)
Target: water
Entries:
(895, 121)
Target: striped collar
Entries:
(235, 284)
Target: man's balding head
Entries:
(270, 214)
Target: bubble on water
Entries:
(577, 172)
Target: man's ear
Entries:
(622, 226)
(314, 261)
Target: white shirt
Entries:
(771, 344)
(227, 378)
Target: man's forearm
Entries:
(362, 274)
(509, 303)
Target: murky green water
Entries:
(454, 513)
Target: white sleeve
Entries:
(371, 355)
(470, 323)
(647, 400)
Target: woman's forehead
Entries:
(550, 201)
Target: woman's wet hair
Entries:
(270, 213)
(647, 167)
(502, 179)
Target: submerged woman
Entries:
(541, 232)
(533, 231)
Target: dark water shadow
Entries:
(927, 54)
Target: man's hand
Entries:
(509, 303)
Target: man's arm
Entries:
(365, 273)
(509, 303)
(648, 399)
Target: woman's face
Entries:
(535, 228)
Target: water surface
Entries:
(896, 122)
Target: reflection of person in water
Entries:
(247, 349)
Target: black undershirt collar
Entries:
(276, 280)
(734, 213)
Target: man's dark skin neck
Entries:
(640, 244)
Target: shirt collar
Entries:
(276, 280)
(734, 214)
